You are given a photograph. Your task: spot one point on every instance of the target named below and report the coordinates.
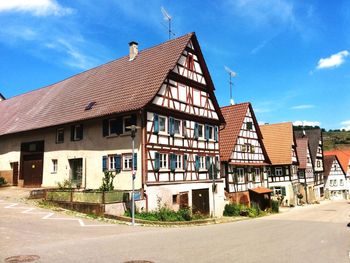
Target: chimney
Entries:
(133, 50)
(2, 97)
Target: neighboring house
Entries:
(305, 170)
(316, 151)
(280, 145)
(78, 128)
(243, 156)
(336, 186)
(343, 157)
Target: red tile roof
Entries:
(118, 86)
(343, 157)
(278, 140)
(302, 146)
(261, 190)
(234, 116)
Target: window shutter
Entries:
(155, 123)
(172, 162)
(105, 127)
(104, 163)
(72, 133)
(283, 191)
(184, 129)
(171, 126)
(207, 162)
(196, 131)
(185, 162)
(197, 163)
(206, 132)
(135, 161)
(119, 125)
(118, 162)
(216, 133)
(156, 161)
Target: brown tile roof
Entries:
(343, 157)
(314, 136)
(302, 146)
(118, 86)
(328, 160)
(278, 141)
(261, 190)
(234, 116)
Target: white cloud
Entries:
(302, 107)
(306, 123)
(35, 7)
(346, 125)
(332, 61)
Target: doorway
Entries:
(200, 201)
(76, 171)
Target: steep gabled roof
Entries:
(234, 116)
(314, 136)
(302, 146)
(278, 140)
(118, 86)
(328, 161)
(343, 157)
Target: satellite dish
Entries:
(232, 74)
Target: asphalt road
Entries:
(315, 233)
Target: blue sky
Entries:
(291, 57)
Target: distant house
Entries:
(243, 156)
(336, 185)
(316, 150)
(305, 170)
(280, 145)
(80, 127)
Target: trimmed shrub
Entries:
(232, 210)
(275, 206)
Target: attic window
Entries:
(90, 105)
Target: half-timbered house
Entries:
(336, 185)
(316, 151)
(305, 170)
(280, 145)
(80, 127)
(243, 156)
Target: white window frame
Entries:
(127, 162)
(54, 165)
(111, 162)
(75, 137)
(211, 132)
(202, 163)
(200, 131)
(163, 161)
(178, 161)
(165, 129)
(257, 175)
(240, 176)
(280, 171)
(179, 126)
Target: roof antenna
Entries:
(168, 18)
(232, 74)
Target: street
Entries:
(316, 233)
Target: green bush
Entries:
(65, 185)
(254, 210)
(107, 181)
(232, 210)
(2, 181)
(275, 206)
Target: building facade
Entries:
(336, 185)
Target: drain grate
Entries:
(139, 261)
(21, 258)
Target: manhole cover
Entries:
(139, 261)
(22, 258)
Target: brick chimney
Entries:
(133, 50)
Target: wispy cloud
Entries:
(306, 123)
(333, 61)
(346, 125)
(35, 7)
(302, 107)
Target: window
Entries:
(287, 170)
(249, 125)
(335, 182)
(268, 171)
(278, 171)
(257, 175)
(175, 199)
(200, 130)
(341, 182)
(54, 165)
(201, 162)
(77, 132)
(127, 162)
(163, 161)
(178, 162)
(175, 162)
(162, 124)
(210, 132)
(243, 148)
(318, 163)
(240, 175)
(252, 148)
(308, 160)
(111, 162)
(127, 121)
(60, 135)
(113, 127)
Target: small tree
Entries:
(107, 181)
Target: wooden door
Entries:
(200, 201)
(33, 170)
(15, 173)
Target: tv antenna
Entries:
(168, 18)
(232, 74)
